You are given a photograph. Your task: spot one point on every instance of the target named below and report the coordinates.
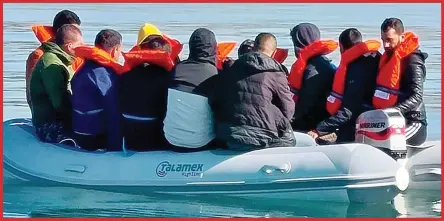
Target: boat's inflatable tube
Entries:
(342, 173)
(424, 166)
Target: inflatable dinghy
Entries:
(339, 173)
(424, 166)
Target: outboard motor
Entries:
(383, 129)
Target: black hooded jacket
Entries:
(194, 75)
(317, 81)
(252, 103)
(143, 93)
(359, 88)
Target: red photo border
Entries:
(206, 1)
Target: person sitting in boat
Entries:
(400, 80)
(353, 86)
(252, 102)
(48, 34)
(311, 76)
(245, 47)
(147, 30)
(51, 112)
(189, 120)
(96, 114)
(144, 90)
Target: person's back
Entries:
(96, 114)
(189, 120)
(311, 76)
(317, 83)
(252, 102)
(47, 34)
(353, 86)
(245, 47)
(51, 112)
(143, 94)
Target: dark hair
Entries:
(394, 23)
(65, 17)
(245, 47)
(156, 42)
(261, 40)
(349, 38)
(66, 34)
(107, 39)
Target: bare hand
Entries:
(313, 134)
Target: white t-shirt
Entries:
(189, 121)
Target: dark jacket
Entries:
(95, 104)
(194, 74)
(411, 103)
(252, 103)
(317, 80)
(143, 98)
(245, 47)
(359, 89)
(49, 87)
(317, 83)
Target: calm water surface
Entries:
(230, 22)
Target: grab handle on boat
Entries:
(436, 171)
(269, 169)
(75, 168)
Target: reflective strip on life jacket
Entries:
(81, 133)
(156, 57)
(389, 76)
(280, 55)
(100, 56)
(137, 118)
(223, 50)
(334, 101)
(88, 112)
(316, 48)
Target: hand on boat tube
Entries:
(313, 134)
(323, 139)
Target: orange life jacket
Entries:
(280, 55)
(176, 46)
(156, 57)
(44, 33)
(389, 76)
(334, 101)
(100, 56)
(316, 48)
(223, 50)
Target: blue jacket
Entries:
(95, 103)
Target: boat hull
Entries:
(339, 173)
